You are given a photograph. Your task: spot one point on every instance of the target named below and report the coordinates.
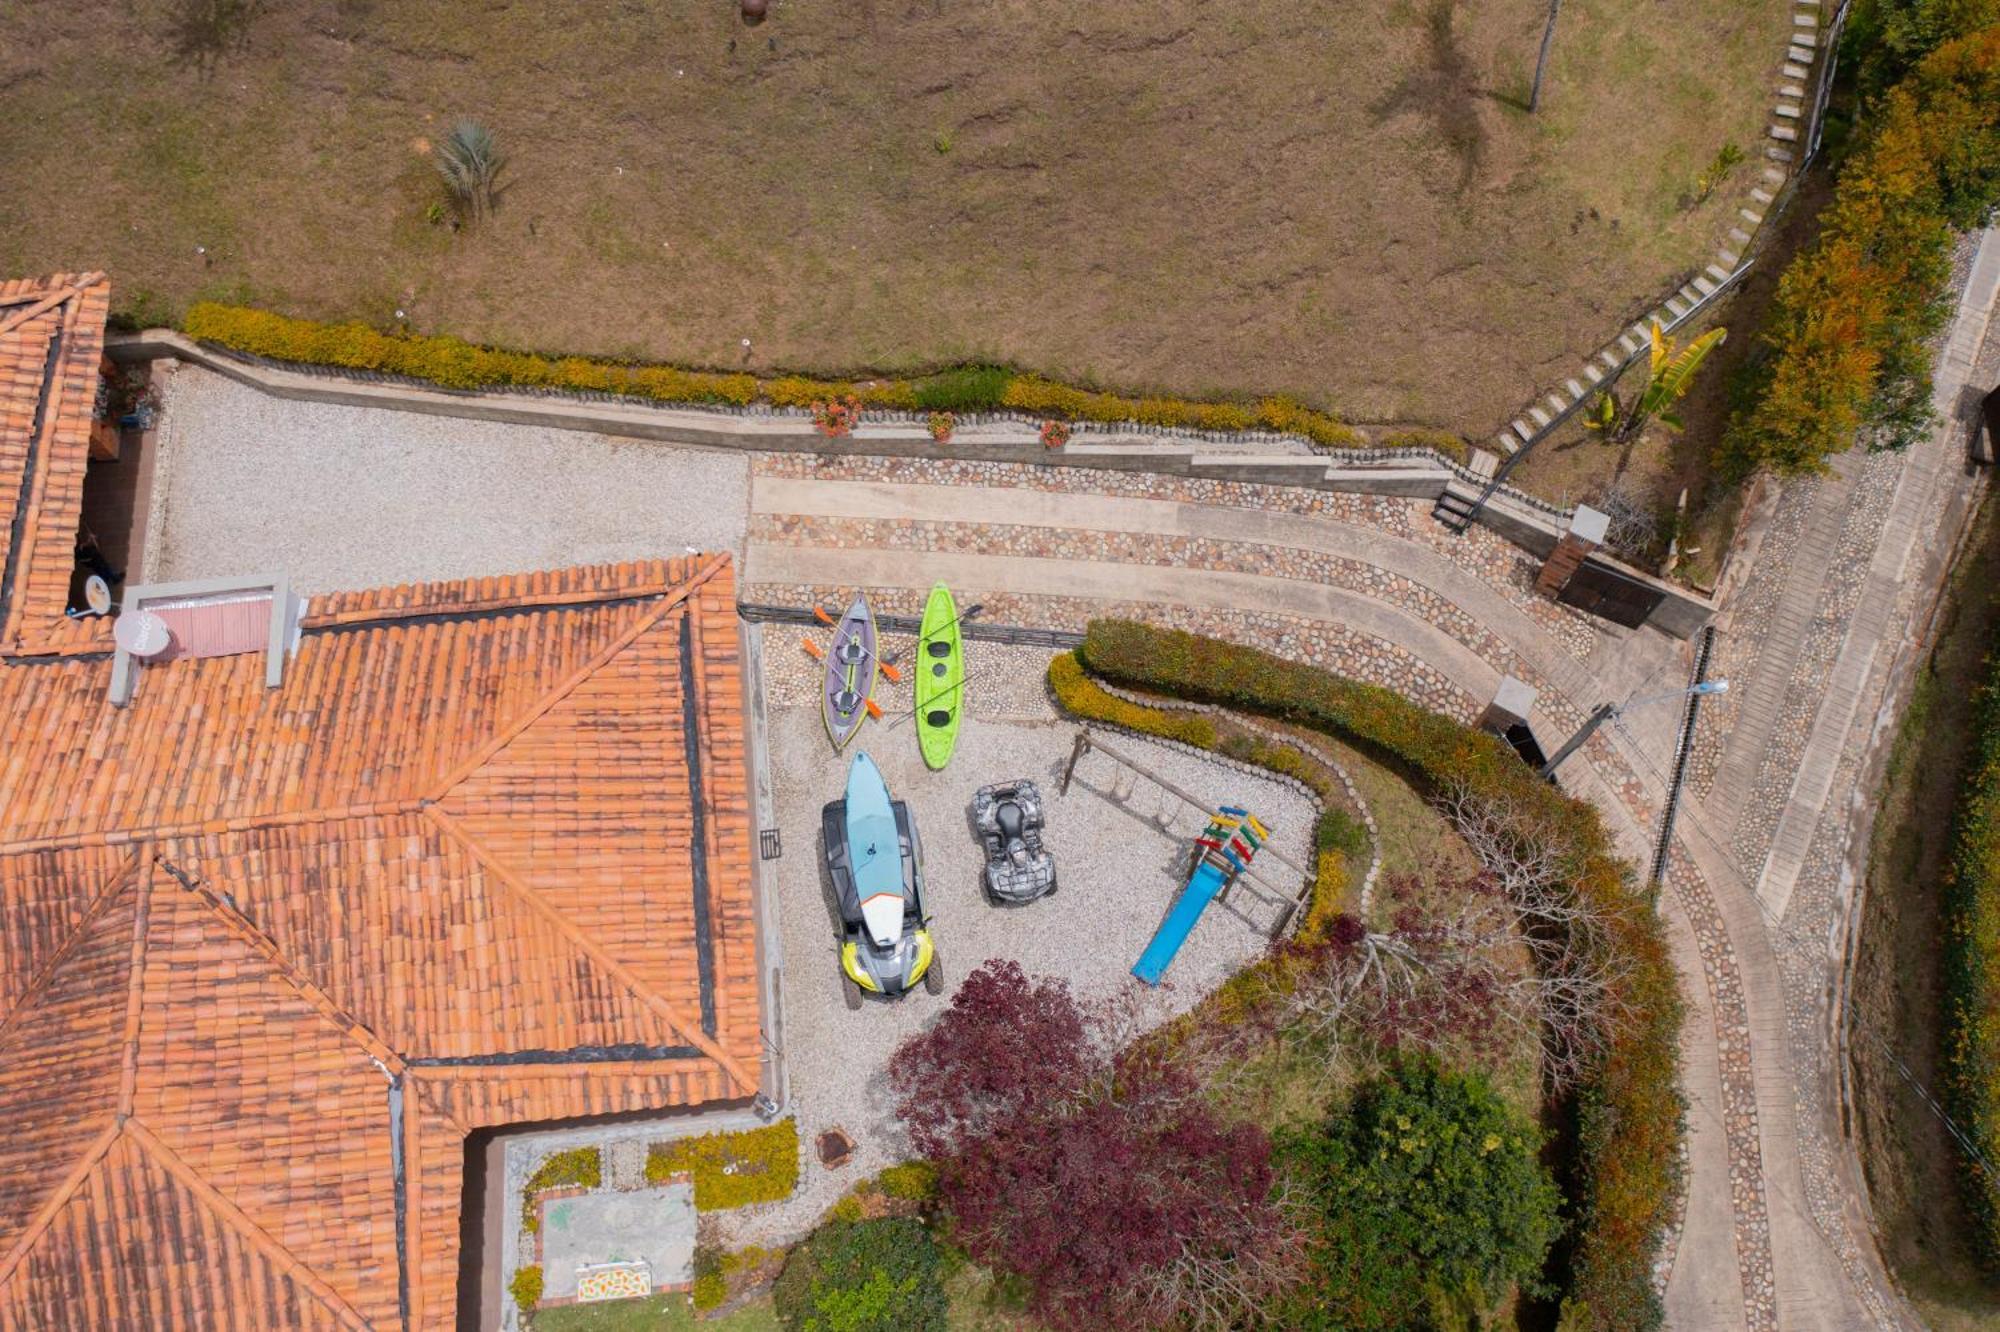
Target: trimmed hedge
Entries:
(732, 1169)
(1081, 696)
(860, 1276)
(1849, 337)
(526, 1288)
(1628, 1112)
(1972, 968)
(454, 363)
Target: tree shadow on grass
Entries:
(203, 30)
(1442, 89)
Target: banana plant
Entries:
(1670, 371)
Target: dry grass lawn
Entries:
(1342, 200)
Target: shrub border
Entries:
(703, 1157)
(453, 363)
(1850, 338)
(1084, 697)
(1628, 1117)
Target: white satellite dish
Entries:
(97, 595)
(141, 633)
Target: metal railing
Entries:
(1829, 66)
(1500, 475)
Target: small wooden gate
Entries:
(1618, 597)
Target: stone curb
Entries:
(1367, 893)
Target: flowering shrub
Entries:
(579, 1167)
(526, 1288)
(942, 424)
(857, 1276)
(454, 363)
(732, 1169)
(837, 416)
(1055, 434)
(1428, 1195)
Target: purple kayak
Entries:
(850, 673)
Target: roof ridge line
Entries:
(428, 1091)
(128, 1076)
(241, 1221)
(531, 601)
(375, 809)
(564, 688)
(239, 924)
(41, 978)
(45, 1215)
(76, 286)
(693, 1033)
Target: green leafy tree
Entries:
(864, 1276)
(1893, 35)
(1670, 371)
(1429, 1201)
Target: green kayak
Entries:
(940, 684)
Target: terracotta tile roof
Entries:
(51, 341)
(268, 955)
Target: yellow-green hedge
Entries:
(732, 1169)
(457, 364)
(526, 1288)
(1082, 696)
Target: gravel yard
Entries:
(354, 497)
(1119, 871)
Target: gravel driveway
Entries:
(1120, 870)
(353, 497)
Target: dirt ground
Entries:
(1911, 1162)
(1343, 200)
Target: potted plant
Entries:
(1055, 434)
(837, 416)
(942, 424)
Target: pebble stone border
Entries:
(1730, 1014)
(1135, 548)
(1482, 553)
(1791, 111)
(1248, 723)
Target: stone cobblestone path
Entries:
(1831, 577)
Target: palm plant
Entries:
(470, 163)
(1670, 371)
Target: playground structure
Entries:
(1221, 854)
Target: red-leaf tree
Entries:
(1100, 1175)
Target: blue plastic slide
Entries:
(1208, 880)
